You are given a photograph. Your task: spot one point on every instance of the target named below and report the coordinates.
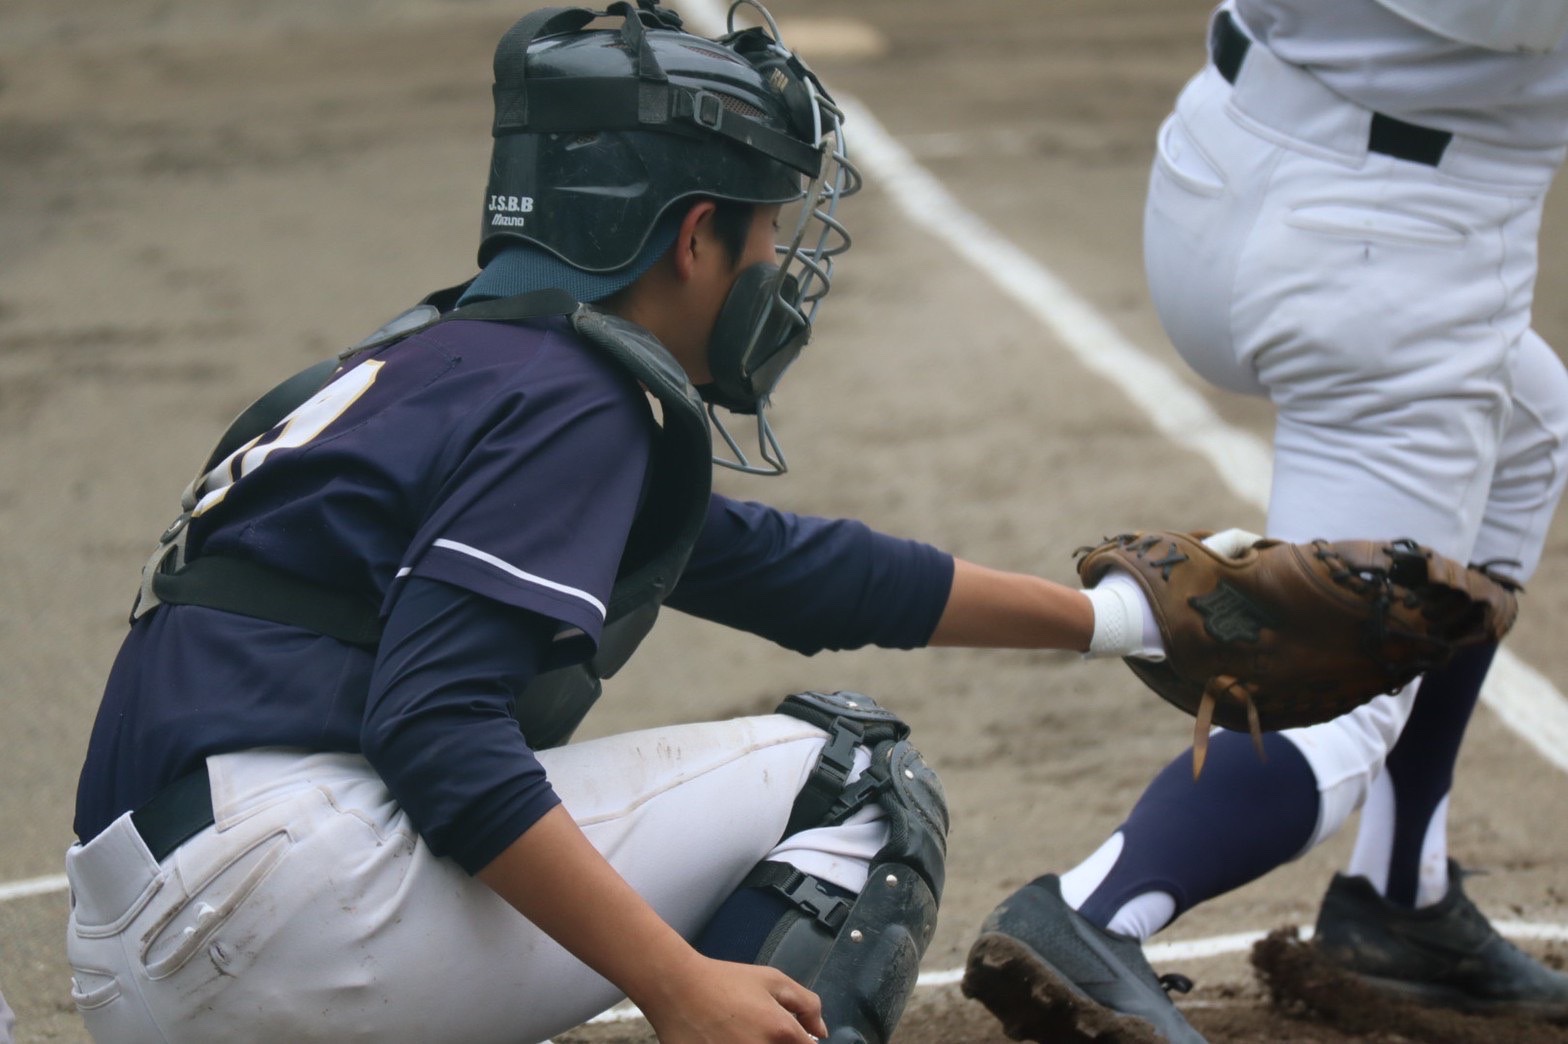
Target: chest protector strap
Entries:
(662, 536)
(668, 522)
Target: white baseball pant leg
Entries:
(312, 907)
(1383, 306)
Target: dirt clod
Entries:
(1303, 985)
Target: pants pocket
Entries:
(92, 989)
(1181, 159)
(189, 928)
(1361, 221)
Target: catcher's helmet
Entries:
(601, 132)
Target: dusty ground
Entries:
(197, 198)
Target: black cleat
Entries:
(1050, 975)
(1447, 955)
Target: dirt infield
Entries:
(197, 198)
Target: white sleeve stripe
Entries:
(507, 567)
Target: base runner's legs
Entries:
(1276, 273)
(1401, 843)
(317, 913)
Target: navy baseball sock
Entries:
(742, 922)
(1421, 765)
(1195, 839)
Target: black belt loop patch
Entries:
(1228, 45)
(1407, 141)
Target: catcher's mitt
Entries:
(1283, 635)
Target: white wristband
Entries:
(1124, 624)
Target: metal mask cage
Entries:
(815, 235)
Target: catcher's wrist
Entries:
(1124, 625)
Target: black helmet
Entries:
(599, 133)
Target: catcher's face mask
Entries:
(601, 132)
(768, 316)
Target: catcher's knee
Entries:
(862, 953)
(897, 779)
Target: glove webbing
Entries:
(1409, 570)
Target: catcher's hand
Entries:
(1279, 635)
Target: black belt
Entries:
(1228, 46)
(175, 814)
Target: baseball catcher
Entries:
(332, 790)
(1266, 634)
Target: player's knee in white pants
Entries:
(1532, 466)
(1413, 400)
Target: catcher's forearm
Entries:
(554, 876)
(989, 608)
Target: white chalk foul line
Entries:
(1529, 704)
(1159, 953)
(33, 886)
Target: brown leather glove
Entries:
(1283, 635)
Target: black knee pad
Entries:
(898, 779)
(861, 954)
(824, 709)
(851, 720)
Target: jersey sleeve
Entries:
(811, 583)
(536, 504)
(438, 727)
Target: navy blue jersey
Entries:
(477, 481)
(501, 459)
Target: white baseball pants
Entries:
(312, 903)
(1384, 307)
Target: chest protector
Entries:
(663, 533)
